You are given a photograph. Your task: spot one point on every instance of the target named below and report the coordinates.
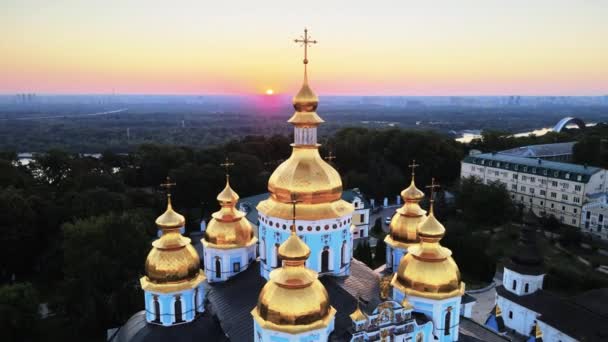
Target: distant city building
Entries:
(545, 187)
(555, 152)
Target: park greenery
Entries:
(75, 229)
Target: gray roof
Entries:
(541, 151)
(471, 331)
(205, 327)
(533, 166)
(349, 196)
(582, 317)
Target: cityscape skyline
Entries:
(472, 48)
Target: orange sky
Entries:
(472, 47)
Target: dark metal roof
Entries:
(467, 298)
(204, 328)
(541, 151)
(566, 314)
(526, 258)
(471, 331)
(349, 196)
(534, 166)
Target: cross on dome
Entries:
(433, 186)
(227, 165)
(413, 166)
(330, 157)
(168, 185)
(294, 201)
(306, 41)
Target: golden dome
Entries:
(293, 300)
(170, 219)
(172, 264)
(227, 228)
(412, 193)
(406, 304)
(428, 269)
(358, 315)
(404, 225)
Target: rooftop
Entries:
(582, 317)
(541, 151)
(534, 166)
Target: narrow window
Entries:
(178, 309)
(218, 267)
(526, 287)
(446, 324)
(510, 314)
(514, 284)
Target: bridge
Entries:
(566, 121)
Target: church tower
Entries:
(404, 224)
(229, 244)
(293, 305)
(430, 280)
(173, 284)
(323, 219)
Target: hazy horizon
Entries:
(386, 48)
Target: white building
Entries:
(545, 187)
(595, 216)
(362, 212)
(523, 307)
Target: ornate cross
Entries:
(227, 165)
(433, 186)
(294, 201)
(413, 166)
(306, 41)
(168, 185)
(330, 157)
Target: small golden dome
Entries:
(227, 228)
(428, 269)
(431, 227)
(172, 263)
(412, 193)
(166, 265)
(293, 300)
(404, 225)
(358, 315)
(406, 304)
(170, 219)
(228, 196)
(294, 249)
(305, 103)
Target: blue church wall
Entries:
(166, 302)
(226, 260)
(330, 242)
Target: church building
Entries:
(303, 285)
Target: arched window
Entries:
(278, 261)
(514, 284)
(526, 287)
(446, 323)
(344, 253)
(510, 314)
(156, 305)
(325, 260)
(178, 309)
(195, 300)
(262, 251)
(218, 267)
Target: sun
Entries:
(269, 91)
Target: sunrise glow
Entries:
(472, 47)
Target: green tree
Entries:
(380, 252)
(484, 204)
(363, 253)
(19, 318)
(103, 261)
